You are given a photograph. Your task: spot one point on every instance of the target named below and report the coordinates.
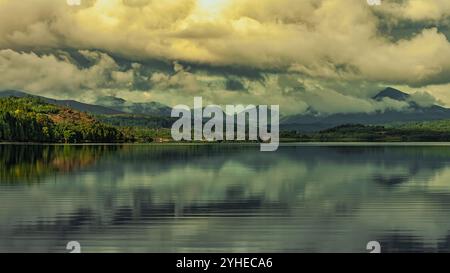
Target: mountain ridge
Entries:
(140, 108)
(79, 106)
(391, 93)
(311, 121)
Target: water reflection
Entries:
(28, 163)
(198, 198)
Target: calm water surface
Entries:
(224, 198)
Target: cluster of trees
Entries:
(94, 132)
(30, 120)
(15, 127)
(418, 131)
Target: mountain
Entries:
(391, 93)
(118, 111)
(30, 119)
(406, 132)
(314, 122)
(141, 108)
(79, 106)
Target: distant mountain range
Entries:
(123, 112)
(142, 108)
(315, 122)
(107, 105)
(391, 93)
(79, 106)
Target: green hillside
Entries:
(33, 120)
(406, 132)
(428, 126)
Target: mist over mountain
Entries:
(125, 112)
(79, 106)
(313, 121)
(391, 93)
(142, 108)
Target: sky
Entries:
(330, 56)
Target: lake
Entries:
(225, 198)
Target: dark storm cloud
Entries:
(234, 85)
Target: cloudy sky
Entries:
(326, 55)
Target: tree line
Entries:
(30, 120)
